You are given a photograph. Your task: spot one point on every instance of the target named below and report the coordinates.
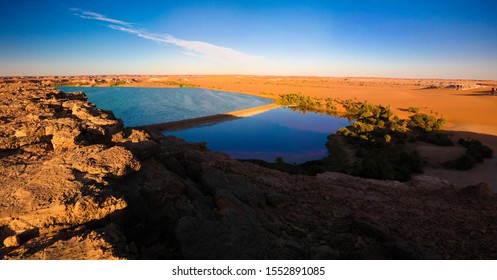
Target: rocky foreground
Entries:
(75, 184)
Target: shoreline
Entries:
(208, 120)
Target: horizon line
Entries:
(258, 75)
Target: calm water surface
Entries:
(142, 106)
(281, 132)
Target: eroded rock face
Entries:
(76, 185)
(53, 177)
(106, 243)
(98, 160)
(66, 133)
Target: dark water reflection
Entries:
(296, 136)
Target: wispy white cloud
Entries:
(190, 47)
(97, 16)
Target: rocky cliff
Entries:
(75, 184)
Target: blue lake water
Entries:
(281, 132)
(142, 106)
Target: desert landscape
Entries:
(249, 130)
(79, 185)
(467, 105)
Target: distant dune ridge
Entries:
(77, 185)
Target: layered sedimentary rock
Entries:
(75, 184)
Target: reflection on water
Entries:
(297, 137)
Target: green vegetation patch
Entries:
(476, 152)
(180, 85)
(436, 138)
(378, 139)
(413, 109)
(307, 103)
(118, 84)
(71, 84)
(426, 123)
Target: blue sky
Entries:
(417, 39)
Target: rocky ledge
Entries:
(77, 185)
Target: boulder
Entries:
(12, 241)
(66, 133)
(100, 160)
(77, 95)
(138, 142)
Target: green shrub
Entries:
(397, 125)
(463, 162)
(388, 138)
(413, 109)
(476, 152)
(296, 99)
(279, 160)
(118, 84)
(411, 160)
(330, 104)
(407, 164)
(439, 139)
(426, 123)
(476, 149)
(376, 166)
(181, 85)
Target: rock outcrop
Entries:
(77, 185)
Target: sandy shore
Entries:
(209, 120)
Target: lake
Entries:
(143, 106)
(281, 132)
